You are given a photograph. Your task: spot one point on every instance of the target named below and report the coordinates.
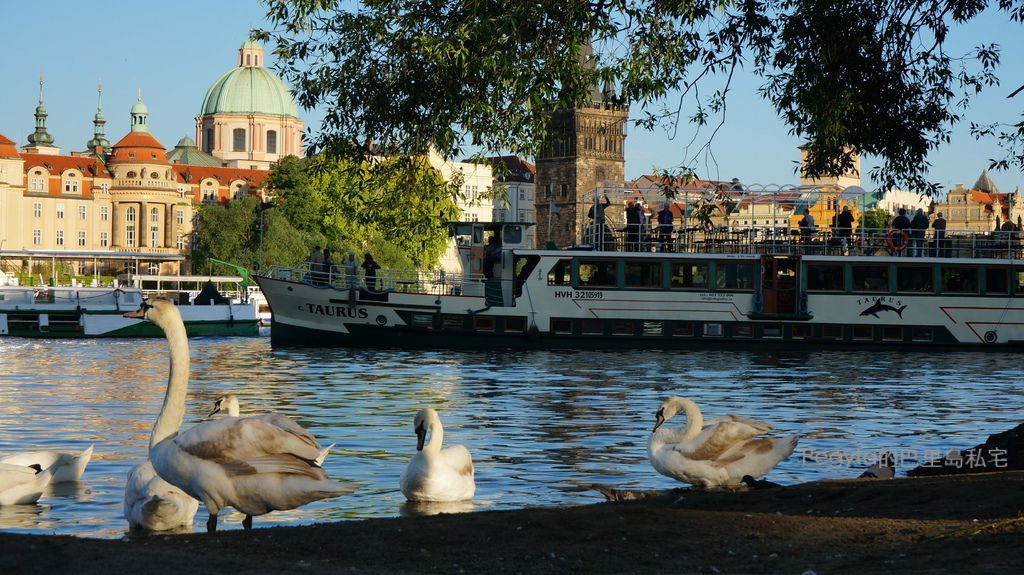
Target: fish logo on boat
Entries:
(878, 306)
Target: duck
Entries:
(229, 405)
(254, 464)
(23, 484)
(716, 454)
(67, 468)
(152, 504)
(884, 468)
(434, 474)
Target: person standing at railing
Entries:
(665, 221)
(917, 228)
(350, 266)
(900, 224)
(316, 263)
(844, 229)
(370, 268)
(327, 268)
(634, 219)
(939, 225)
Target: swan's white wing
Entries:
(457, 457)
(715, 441)
(22, 485)
(43, 459)
(761, 426)
(248, 438)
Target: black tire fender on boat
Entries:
(990, 336)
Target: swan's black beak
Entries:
(421, 436)
(216, 408)
(659, 418)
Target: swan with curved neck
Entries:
(255, 464)
(716, 453)
(436, 474)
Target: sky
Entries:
(174, 51)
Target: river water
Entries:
(540, 425)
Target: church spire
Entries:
(40, 137)
(98, 140)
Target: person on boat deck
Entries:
(634, 222)
(939, 225)
(600, 234)
(327, 269)
(844, 228)
(665, 221)
(316, 262)
(807, 227)
(492, 255)
(350, 265)
(900, 223)
(917, 228)
(370, 268)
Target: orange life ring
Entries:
(890, 240)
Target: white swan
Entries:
(716, 454)
(152, 504)
(66, 467)
(435, 474)
(254, 464)
(228, 405)
(22, 485)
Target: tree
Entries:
(866, 76)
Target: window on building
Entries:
(180, 243)
(37, 237)
(179, 216)
(208, 141)
(105, 186)
(239, 139)
(82, 212)
(81, 239)
(154, 226)
(60, 237)
(37, 210)
(60, 211)
(104, 213)
(37, 184)
(71, 186)
(129, 230)
(271, 142)
(104, 240)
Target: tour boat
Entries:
(84, 312)
(751, 282)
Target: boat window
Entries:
(653, 328)
(561, 325)
(731, 275)
(996, 281)
(682, 329)
(892, 333)
(922, 334)
(914, 278)
(960, 280)
(832, 331)
(592, 327)
(452, 322)
(515, 324)
(483, 323)
(825, 277)
(644, 274)
(560, 273)
(870, 278)
(801, 331)
(743, 330)
(622, 327)
(771, 330)
(863, 332)
(598, 273)
(512, 235)
(689, 275)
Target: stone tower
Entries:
(584, 146)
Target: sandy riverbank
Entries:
(949, 524)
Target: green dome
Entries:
(249, 90)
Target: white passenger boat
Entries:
(749, 283)
(77, 311)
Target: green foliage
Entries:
(392, 208)
(875, 219)
(867, 76)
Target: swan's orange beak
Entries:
(138, 314)
(659, 418)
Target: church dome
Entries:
(249, 89)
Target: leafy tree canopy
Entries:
(871, 76)
(393, 208)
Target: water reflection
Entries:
(425, 508)
(538, 424)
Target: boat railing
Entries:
(401, 281)
(794, 240)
